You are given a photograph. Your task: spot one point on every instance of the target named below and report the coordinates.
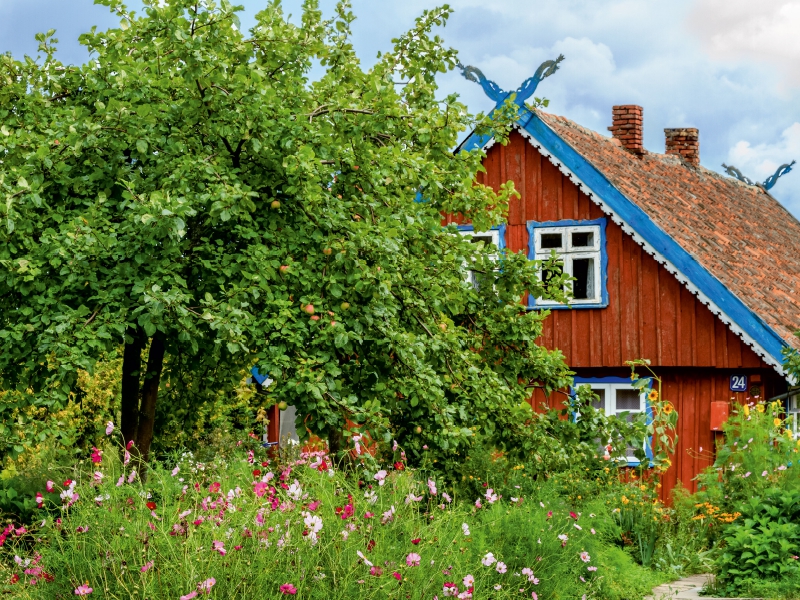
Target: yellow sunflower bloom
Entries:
(653, 395)
(776, 421)
(668, 408)
(760, 408)
(746, 410)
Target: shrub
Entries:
(255, 526)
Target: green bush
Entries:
(252, 524)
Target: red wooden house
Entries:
(698, 272)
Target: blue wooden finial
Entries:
(768, 182)
(773, 179)
(525, 91)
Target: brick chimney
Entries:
(685, 143)
(627, 122)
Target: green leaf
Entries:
(141, 146)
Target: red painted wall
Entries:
(650, 313)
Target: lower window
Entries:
(793, 414)
(615, 396)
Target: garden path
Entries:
(684, 589)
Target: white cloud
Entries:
(766, 30)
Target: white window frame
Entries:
(567, 252)
(610, 396)
(498, 239)
(793, 413)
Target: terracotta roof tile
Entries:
(738, 232)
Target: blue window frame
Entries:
(582, 248)
(616, 395)
(497, 234)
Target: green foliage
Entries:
(253, 526)
(764, 543)
(191, 187)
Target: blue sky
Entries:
(729, 67)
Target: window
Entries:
(616, 395)
(793, 414)
(580, 245)
(495, 236)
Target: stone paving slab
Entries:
(685, 589)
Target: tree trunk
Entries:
(147, 414)
(131, 367)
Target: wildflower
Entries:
(376, 571)
(416, 541)
(109, 427)
(668, 408)
(412, 498)
(205, 586)
(413, 559)
(585, 557)
(446, 497)
(126, 459)
(782, 468)
(217, 546)
(399, 466)
(260, 488)
(175, 471)
(449, 589)
(760, 408)
(498, 587)
(288, 588)
(549, 515)
(97, 455)
(370, 496)
(465, 529)
(388, 516)
(394, 446)
(490, 496)
(468, 581)
(39, 499)
(380, 477)
(591, 569)
(764, 474)
(478, 503)
(147, 566)
(501, 567)
(132, 476)
(653, 395)
(432, 487)
(777, 422)
(573, 515)
(214, 487)
(151, 505)
(576, 526)
(488, 560)
(592, 531)
(82, 529)
(364, 558)
(83, 590)
(397, 576)
(49, 487)
(563, 537)
(534, 595)
(746, 474)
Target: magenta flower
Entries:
(397, 576)
(413, 559)
(147, 566)
(49, 487)
(83, 590)
(288, 588)
(97, 455)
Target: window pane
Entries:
(550, 273)
(583, 272)
(486, 239)
(601, 401)
(550, 240)
(582, 239)
(628, 400)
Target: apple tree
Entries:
(194, 202)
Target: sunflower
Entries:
(777, 422)
(668, 408)
(653, 395)
(746, 410)
(760, 408)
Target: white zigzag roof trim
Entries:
(654, 253)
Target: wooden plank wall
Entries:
(650, 313)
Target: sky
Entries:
(728, 67)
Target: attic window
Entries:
(580, 246)
(494, 239)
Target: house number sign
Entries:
(738, 383)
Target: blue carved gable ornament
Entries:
(768, 182)
(524, 91)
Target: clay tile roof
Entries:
(738, 232)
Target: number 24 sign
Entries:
(738, 383)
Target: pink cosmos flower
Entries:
(97, 455)
(288, 588)
(83, 590)
(219, 547)
(82, 528)
(314, 505)
(535, 596)
(109, 427)
(469, 581)
(376, 571)
(573, 515)
(260, 488)
(764, 474)
(585, 557)
(205, 586)
(591, 568)
(413, 559)
(380, 476)
(49, 487)
(190, 595)
(39, 499)
(501, 567)
(147, 566)
(129, 445)
(432, 487)
(214, 487)
(132, 476)
(397, 576)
